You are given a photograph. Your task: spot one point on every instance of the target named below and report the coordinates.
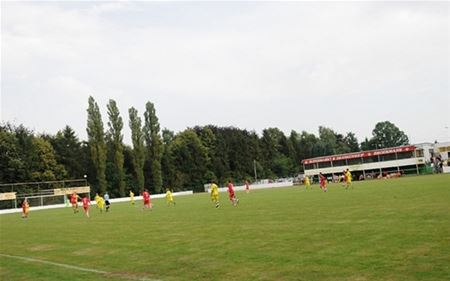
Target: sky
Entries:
(251, 65)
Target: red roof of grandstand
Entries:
(362, 154)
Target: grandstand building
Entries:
(409, 159)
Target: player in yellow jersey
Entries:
(307, 182)
(348, 179)
(169, 197)
(97, 198)
(215, 194)
(100, 203)
(131, 197)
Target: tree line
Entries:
(157, 159)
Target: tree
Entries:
(154, 145)
(269, 145)
(115, 136)
(137, 137)
(294, 140)
(367, 145)
(208, 140)
(306, 144)
(352, 142)
(329, 144)
(167, 136)
(96, 140)
(386, 134)
(45, 166)
(12, 167)
(25, 146)
(282, 166)
(167, 168)
(68, 152)
(220, 164)
(189, 160)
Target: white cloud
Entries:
(252, 65)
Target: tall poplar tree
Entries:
(115, 125)
(96, 140)
(137, 137)
(154, 145)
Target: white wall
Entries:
(368, 166)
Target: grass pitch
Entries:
(396, 229)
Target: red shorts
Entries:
(146, 202)
(231, 195)
(86, 208)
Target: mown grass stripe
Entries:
(85, 269)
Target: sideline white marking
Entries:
(78, 268)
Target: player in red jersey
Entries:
(323, 182)
(146, 197)
(74, 201)
(233, 198)
(86, 203)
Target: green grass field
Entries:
(396, 229)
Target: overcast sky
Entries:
(252, 65)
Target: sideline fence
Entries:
(39, 193)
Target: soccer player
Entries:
(307, 182)
(344, 178)
(74, 202)
(25, 208)
(233, 198)
(169, 197)
(100, 202)
(215, 194)
(86, 203)
(323, 182)
(107, 203)
(247, 186)
(131, 197)
(348, 179)
(97, 199)
(146, 197)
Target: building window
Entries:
(444, 149)
(370, 159)
(408, 154)
(419, 153)
(387, 157)
(325, 164)
(309, 166)
(339, 163)
(354, 161)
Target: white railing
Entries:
(115, 200)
